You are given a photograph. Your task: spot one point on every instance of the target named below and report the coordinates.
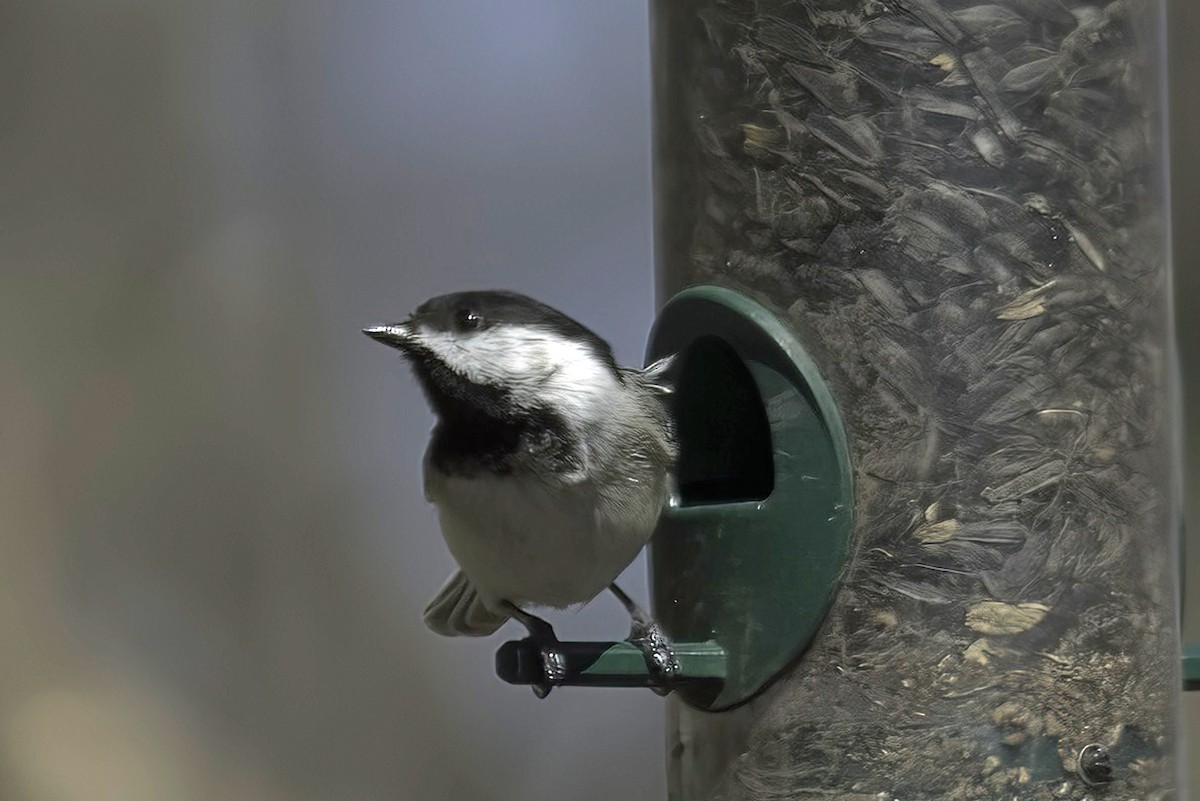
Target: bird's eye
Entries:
(467, 320)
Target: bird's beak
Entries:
(397, 335)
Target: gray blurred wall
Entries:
(215, 551)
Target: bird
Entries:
(549, 465)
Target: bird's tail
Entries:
(457, 610)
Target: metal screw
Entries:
(1095, 765)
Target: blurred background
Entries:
(215, 551)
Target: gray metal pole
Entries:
(959, 207)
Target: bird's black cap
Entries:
(464, 312)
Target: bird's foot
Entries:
(554, 670)
(649, 638)
(542, 637)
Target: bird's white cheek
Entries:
(464, 359)
(535, 370)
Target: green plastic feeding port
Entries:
(1191, 667)
(747, 557)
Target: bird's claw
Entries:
(660, 658)
(542, 637)
(554, 670)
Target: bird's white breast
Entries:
(521, 540)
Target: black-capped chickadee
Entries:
(549, 464)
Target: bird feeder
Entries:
(956, 209)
